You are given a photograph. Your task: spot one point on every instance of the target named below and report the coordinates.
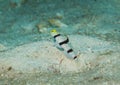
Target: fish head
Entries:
(54, 32)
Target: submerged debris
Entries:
(9, 68)
(56, 23)
(59, 16)
(42, 27)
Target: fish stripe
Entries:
(56, 35)
(75, 57)
(70, 50)
(64, 42)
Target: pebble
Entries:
(57, 23)
(42, 27)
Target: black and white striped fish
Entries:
(63, 43)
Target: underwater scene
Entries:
(59, 42)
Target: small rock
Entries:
(56, 23)
(42, 27)
(59, 16)
(9, 68)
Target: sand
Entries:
(43, 56)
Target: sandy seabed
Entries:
(42, 63)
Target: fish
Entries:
(63, 43)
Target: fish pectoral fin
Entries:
(61, 49)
